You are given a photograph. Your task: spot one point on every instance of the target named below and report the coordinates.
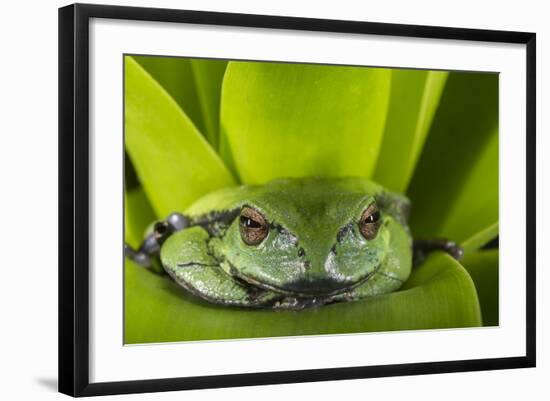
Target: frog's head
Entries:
(315, 238)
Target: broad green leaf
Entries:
(414, 99)
(176, 76)
(480, 238)
(454, 190)
(174, 162)
(483, 268)
(208, 81)
(440, 294)
(291, 120)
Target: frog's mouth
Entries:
(320, 288)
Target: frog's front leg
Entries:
(186, 256)
(421, 249)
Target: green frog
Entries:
(292, 243)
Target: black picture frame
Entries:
(74, 198)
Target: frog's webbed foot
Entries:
(421, 249)
(188, 260)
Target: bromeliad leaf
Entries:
(483, 268)
(176, 76)
(480, 239)
(195, 84)
(208, 81)
(174, 162)
(454, 191)
(292, 120)
(138, 215)
(440, 294)
(414, 99)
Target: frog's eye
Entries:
(253, 226)
(370, 222)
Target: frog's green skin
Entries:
(313, 253)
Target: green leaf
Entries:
(208, 81)
(415, 95)
(481, 238)
(138, 215)
(483, 268)
(440, 294)
(291, 120)
(454, 190)
(174, 162)
(176, 76)
(195, 84)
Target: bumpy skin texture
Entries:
(313, 253)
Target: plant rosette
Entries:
(195, 126)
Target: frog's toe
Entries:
(186, 258)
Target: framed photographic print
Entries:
(250, 199)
